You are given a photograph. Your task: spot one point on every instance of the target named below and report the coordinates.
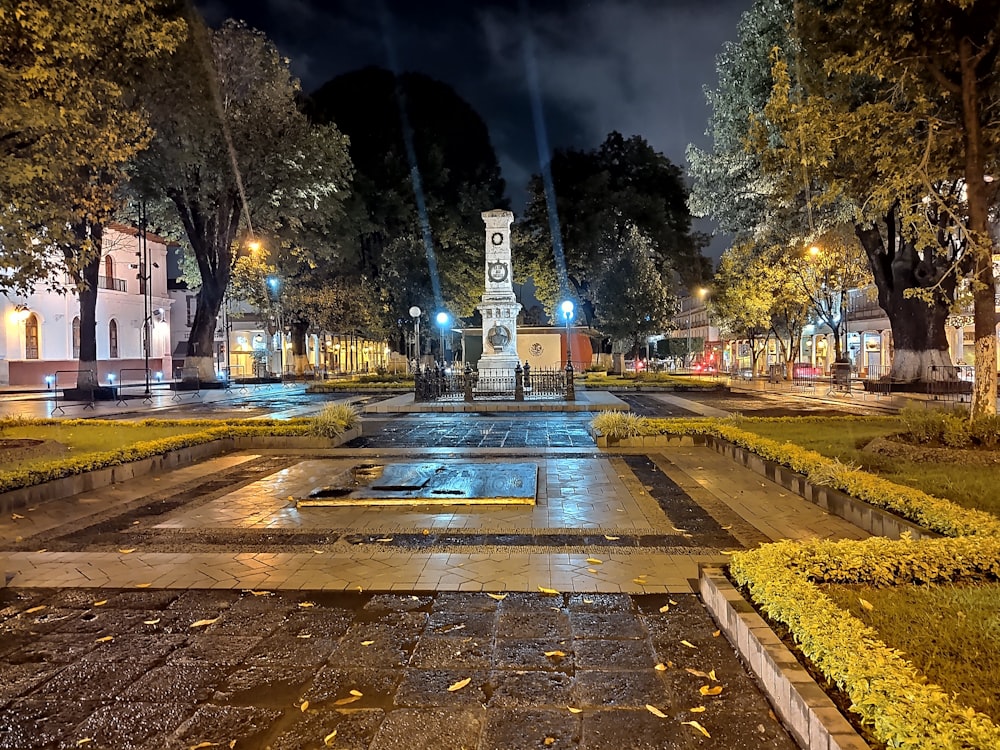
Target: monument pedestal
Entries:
(499, 307)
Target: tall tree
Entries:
(233, 150)
(917, 104)
(600, 194)
(68, 126)
(425, 171)
(631, 293)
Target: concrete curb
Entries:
(805, 709)
(875, 521)
(92, 480)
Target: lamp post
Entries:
(415, 314)
(442, 319)
(567, 312)
(274, 284)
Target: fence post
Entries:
(570, 386)
(518, 383)
(468, 382)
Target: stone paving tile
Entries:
(475, 686)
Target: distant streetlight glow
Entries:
(567, 311)
(442, 319)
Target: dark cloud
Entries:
(636, 66)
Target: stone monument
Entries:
(499, 307)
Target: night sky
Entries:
(636, 66)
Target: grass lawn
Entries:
(84, 439)
(951, 633)
(651, 378)
(969, 486)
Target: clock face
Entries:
(497, 238)
(497, 271)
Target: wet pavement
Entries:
(201, 606)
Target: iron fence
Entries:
(946, 383)
(519, 384)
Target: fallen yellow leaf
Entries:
(359, 589)
(866, 604)
(127, 551)
(595, 561)
(712, 677)
(612, 538)
(574, 710)
(672, 602)
(203, 744)
(425, 532)
(356, 693)
(151, 622)
(688, 644)
(345, 701)
(16, 516)
(640, 581)
(698, 726)
(304, 635)
(317, 552)
(367, 643)
(665, 608)
(384, 539)
(101, 603)
(84, 741)
(696, 672)
(548, 592)
(105, 639)
(706, 690)
(697, 709)
(549, 741)
(202, 623)
(306, 605)
(261, 593)
(717, 633)
(304, 707)
(591, 570)
(661, 667)
(143, 585)
(328, 740)
(655, 711)
(498, 597)
(459, 685)
(39, 608)
(555, 654)
(588, 601)
(43, 549)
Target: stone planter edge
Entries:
(805, 709)
(56, 489)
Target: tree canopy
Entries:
(69, 125)
(459, 177)
(600, 195)
(235, 157)
(632, 296)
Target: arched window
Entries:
(113, 339)
(76, 337)
(31, 337)
(109, 268)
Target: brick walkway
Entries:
(96, 633)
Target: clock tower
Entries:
(499, 307)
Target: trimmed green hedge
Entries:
(936, 514)
(888, 692)
(206, 432)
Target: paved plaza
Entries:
(202, 605)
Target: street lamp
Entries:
(567, 311)
(274, 285)
(415, 314)
(442, 319)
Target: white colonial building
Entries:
(40, 333)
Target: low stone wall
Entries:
(805, 709)
(92, 480)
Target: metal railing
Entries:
(90, 387)
(946, 383)
(519, 384)
(191, 380)
(144, 384)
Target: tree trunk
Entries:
(918, 326)
(199, 363)
(300, 360)
(984, 392)
(85, 269)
